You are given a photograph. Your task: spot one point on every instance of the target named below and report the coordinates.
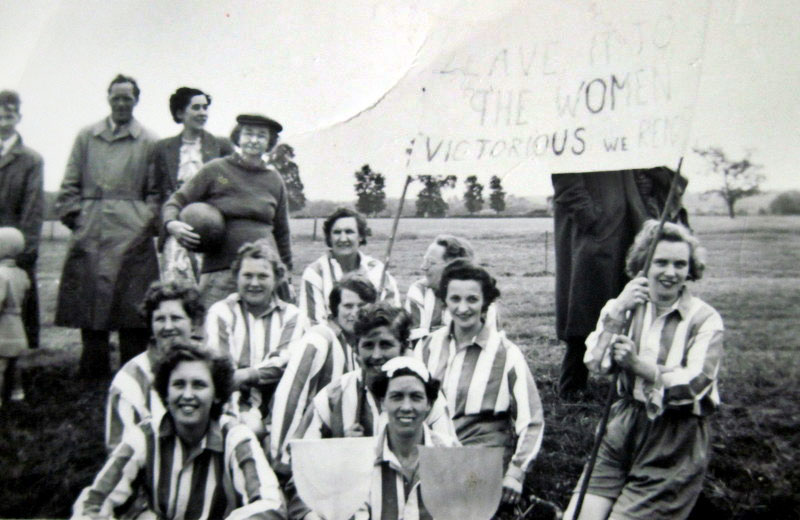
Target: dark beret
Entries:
(259, 120)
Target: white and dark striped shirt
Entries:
(428, 313)
(131, 397)
(490, 392)
(392, 496)
(258, 343)
(684, 343)
(320, 356)
(226, 476)
(346, 402)
(319, 277)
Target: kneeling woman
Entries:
(190, 463)
(407, 392)
(653, 457)
(490, 390)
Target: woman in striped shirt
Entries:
(407, 392)
(427, 311)
(323, 354)
(654, 454)
(347, 407)
(173, 311)
(345, 232)
(255, 327)
(191, 463)
(490, 390)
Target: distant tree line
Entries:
(371, 196)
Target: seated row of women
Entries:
(296, 380)
(356, 374)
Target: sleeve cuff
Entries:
(613, 321)
(515, 473)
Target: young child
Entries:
(14, 284)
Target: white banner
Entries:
(595, 86)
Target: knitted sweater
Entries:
(252, 199)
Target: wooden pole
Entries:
(393, 235)
(314, 234)
(601, 428)
(546, 249)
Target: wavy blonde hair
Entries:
(634, 261)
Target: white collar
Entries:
(9, 143)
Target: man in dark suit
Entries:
(597, 215)
(21, 201)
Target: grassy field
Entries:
(51, 446)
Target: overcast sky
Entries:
(329, 72)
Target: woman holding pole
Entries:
(653, 457)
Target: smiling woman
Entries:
(347, 406)
(251, 196)
(345, 231)
(175, 161)
(255, 327)
(492, 397)
(407, 392)
(653, 457)
(172, 310)
(228, 474)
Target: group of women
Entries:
(199, 425)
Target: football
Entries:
(207, 222)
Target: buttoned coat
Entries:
(166, 161)
(109, 199)
(22, 207)
(597, 214)
(22, 197)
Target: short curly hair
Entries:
(361, 223)
(181, 98)
(634, 261)
(463, 269)
(454, 247)
(355, 282)
(260, 249)
(384, 314)
(219, 364)
(380, 385)
(159, 292)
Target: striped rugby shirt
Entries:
(259, 343)
(685, 343)
(318, 358)
(319, 277)
(428, 312)
(335, 408)
(132, 397)
(489, 389)
(392, 495)
(227, 476)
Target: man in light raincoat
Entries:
(109, 201)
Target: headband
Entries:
(412, 364)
